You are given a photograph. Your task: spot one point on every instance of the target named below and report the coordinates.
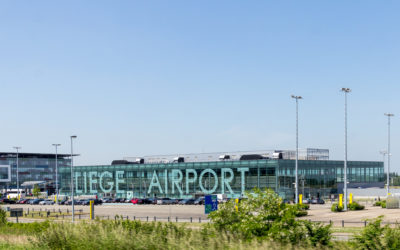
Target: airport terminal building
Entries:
(33, 168)
(191, 175)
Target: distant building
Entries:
(232, 173)
(33, 167)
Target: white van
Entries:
(13, 193)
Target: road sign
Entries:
(210, 203)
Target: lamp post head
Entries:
(389, 114)
(15, 147)
(56, 145)
(73, 136)
(297, 97)
(346, 90)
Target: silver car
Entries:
(46, 202)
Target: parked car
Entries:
(307, 201)
(69, 202)
(7, 201)
(106, 200)
(165, 201)
(135, 201)
(46, 202)
(22, 201)
(187, 202)
(118, 200)
(151, 201)
(317, 201)
(96, 201)
(35, 201)
(199, 201)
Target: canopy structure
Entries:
(32, 183)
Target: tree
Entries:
(36, 190)
(263, 215)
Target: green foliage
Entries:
(303, 206)
(264, 215)
(3, 217)
(301, 213)
(355, 206)
(336, 208)
(380, 203)
(123, 234)
(376, 236)
(36, 190)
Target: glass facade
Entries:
(184, 180)
(31, 167)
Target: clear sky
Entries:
(134, 78)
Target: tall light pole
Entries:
(56, 145)
(346, 91)
(72, 178)
(388, 153)
(17, 148)
(297, 146)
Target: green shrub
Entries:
(383, 204)
(378, 203)
(301, 209)
(376, 236)
(355, 206)
(3, 217)
(303, 206)
(301, 213)
(336, 208)
(264, 215)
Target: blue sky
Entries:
(134, 78)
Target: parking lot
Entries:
(185, 212)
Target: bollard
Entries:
(28, 210)
(79, 217)
(108, 217)
(176, 219)
(127, 217)
(63, 216)
(330, 222)
(147, 218)
(342, 223)
(155, 219)
(32, 215)
(168, 218)
(199, 220)
(17, 218)
(56, 216)
(191, 220)
(134, 217)
(365, 223)
(67, 211)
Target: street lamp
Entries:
(388, 152)
(346, 91)
(297, 146)
(56, 145)
(72, 178)
(17, 148)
